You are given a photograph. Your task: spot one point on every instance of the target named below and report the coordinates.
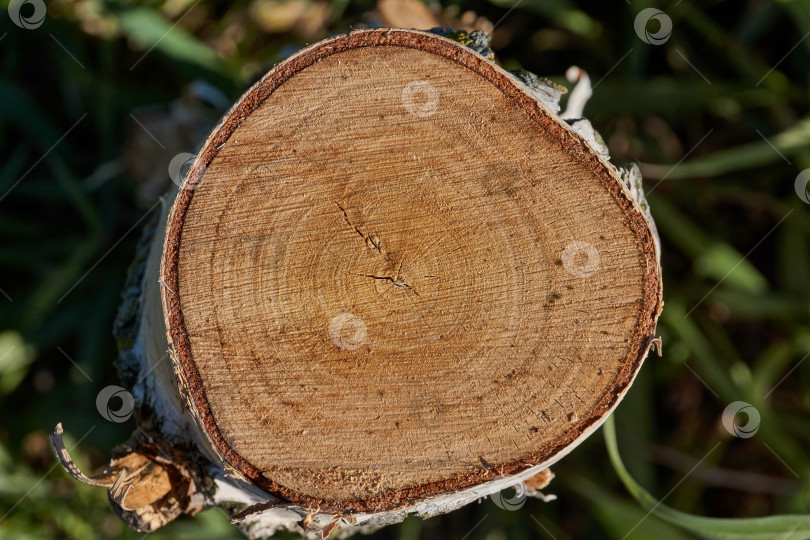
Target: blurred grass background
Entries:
(96, 101)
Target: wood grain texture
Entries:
(392, 273)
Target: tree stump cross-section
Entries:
(392, 277)
(366, 291)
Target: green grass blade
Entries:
(786, 527)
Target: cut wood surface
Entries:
(391, 273)
(393, 281)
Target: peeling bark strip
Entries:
(393, 281)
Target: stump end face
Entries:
(391, 273)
